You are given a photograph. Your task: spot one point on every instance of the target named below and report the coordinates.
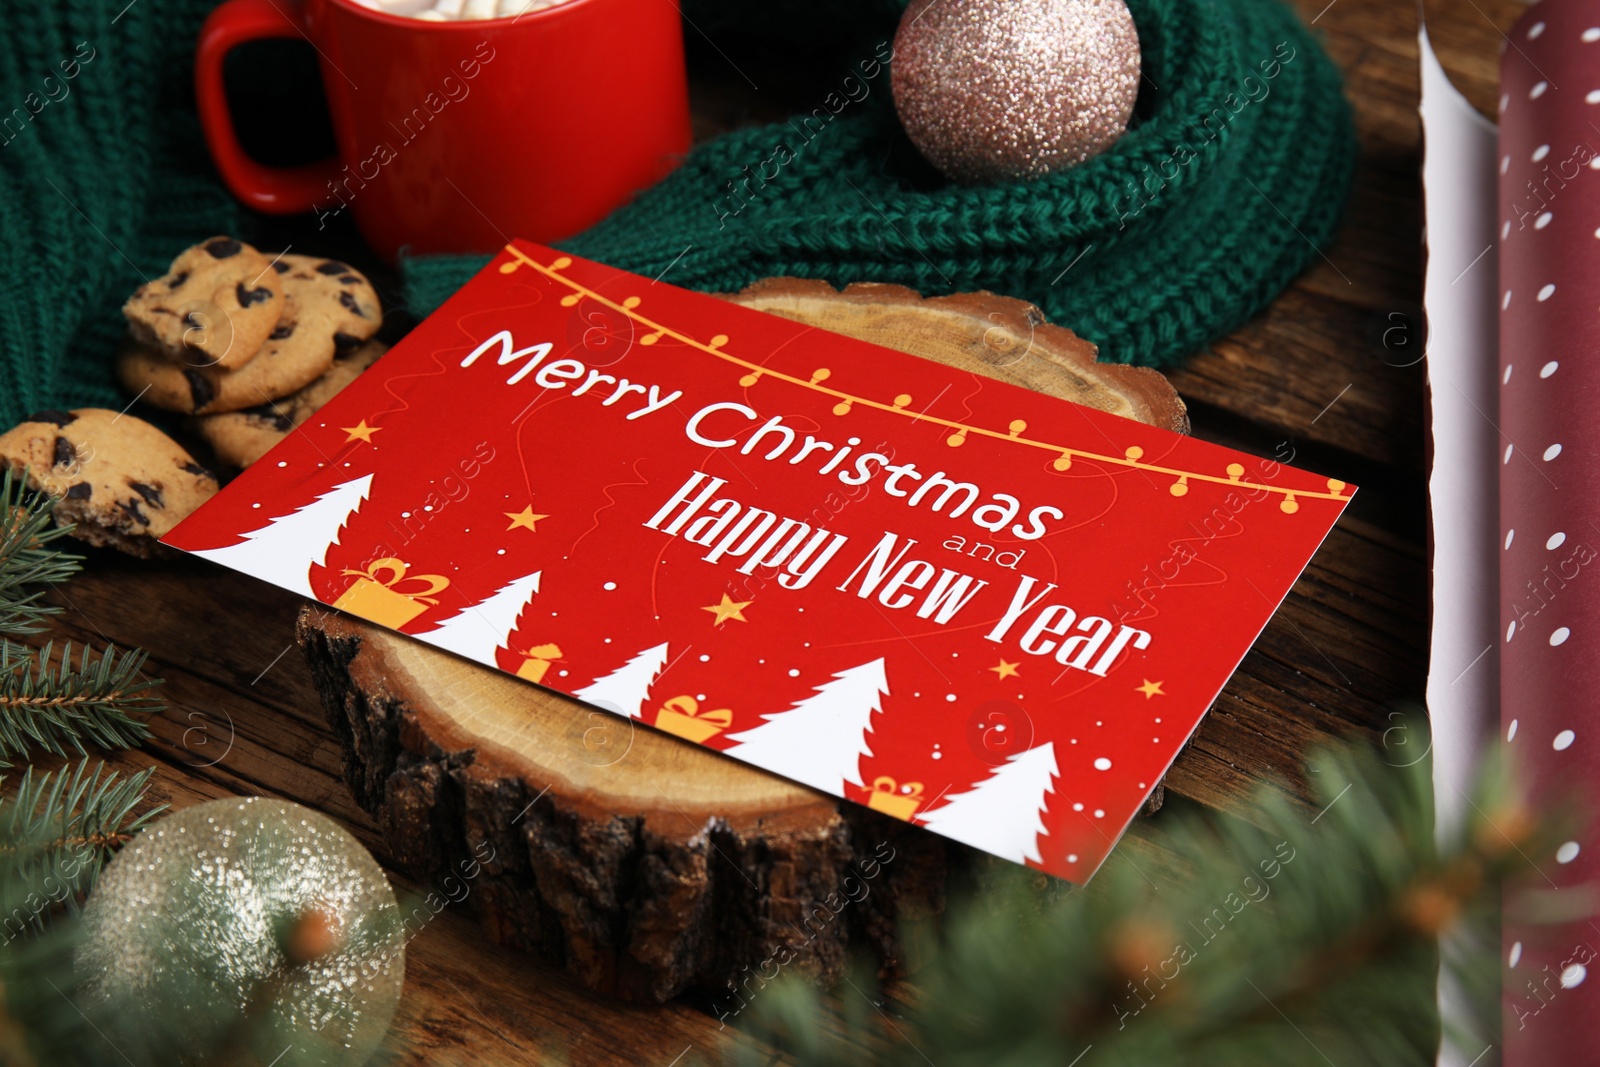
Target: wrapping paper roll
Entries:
(1549, 423)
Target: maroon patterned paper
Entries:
(1549, 421)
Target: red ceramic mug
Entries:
(457, 136)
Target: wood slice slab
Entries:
(641, 863)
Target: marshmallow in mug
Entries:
(449, 10)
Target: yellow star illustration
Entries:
(1006, 670)
(1149, 689)
(729, 609)
(360, 432)
(524, 518)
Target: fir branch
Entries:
(56, 834)
(62, 707)
(28, 559)
(1263, 936)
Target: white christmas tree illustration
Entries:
(479, 629)
(284, 551)
(1001, 813)
(820, 741)
(624, 690)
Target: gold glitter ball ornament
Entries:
(990, 90)
(246, 918)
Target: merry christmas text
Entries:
(728, 424)
(774, 440)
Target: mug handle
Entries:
(273, 190)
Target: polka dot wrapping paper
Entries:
(1549, 258)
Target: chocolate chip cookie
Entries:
(123, 482)
(214, 307)
(333, 300)
(242, 437)
(327, 307)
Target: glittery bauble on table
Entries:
(186, 928)
(991, 90)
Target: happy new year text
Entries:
(888, 574)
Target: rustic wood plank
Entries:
(1318, 342)
(1306, 365)
(1348, 644)
(1469, 40)
(1349, 638)
(1352, 605)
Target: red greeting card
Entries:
(983, 610)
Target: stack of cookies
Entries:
(251, 343)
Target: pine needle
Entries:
(1268, 942)
(57, 833)
(28, 558)
(63, 707)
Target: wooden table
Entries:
(1311, 376)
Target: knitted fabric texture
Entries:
(1148, 251)
(104, 178)
(1234, 175)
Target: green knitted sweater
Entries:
(1234, 174)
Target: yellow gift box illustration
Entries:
(892, 798)
(380, 600)
(682, 716)
(538, 662)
